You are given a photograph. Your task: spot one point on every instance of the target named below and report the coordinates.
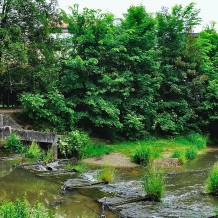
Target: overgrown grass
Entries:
(180, 154)
(212, 181)
(34, 151)
(144, 155)
(13, 143)
(185, 147)
(106, 174)
(47, 156)
(153, 183)
(96, 150)
(22, 209)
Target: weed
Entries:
(106, 174)
(180, 154)
(13, 143)
(212, 181)
(191, 154)
(153, 183)
(47, 156)
(22, 209)
(34, 151)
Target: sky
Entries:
(118, 7)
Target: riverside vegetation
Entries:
(121, 79)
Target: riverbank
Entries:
(169, 152)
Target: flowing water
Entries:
(185, 196)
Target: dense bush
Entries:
(13, 143)
(34, 151)
(48, 112)
(74, 143)
(144, 155)
(153, 183)
(212, 181)
(191, 154)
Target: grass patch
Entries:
(47, 156)
(191, 153)
(212, 181)
(96, 150)
(34, 151)
(144, 155)
(106, 174)
(153, 183)
(180, 154)
(22, 209)
(183, 147)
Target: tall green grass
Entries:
(34, 151)
(144, 155)
(96, 150)
(106, 174)
(153, 183)
(22, 209)
(212, 181)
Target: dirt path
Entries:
(114, 159)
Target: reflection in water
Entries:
(17, 183)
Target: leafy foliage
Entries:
(118, 79)
(48, 112)
(13, 143)
(34, 151)
(73, 144)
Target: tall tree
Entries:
(27, 48)
(181, 78)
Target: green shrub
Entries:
(212, 181)
(34, 151)
(193, 140)
(180, 154)
(96, 150)
(153, 183)
(47, 156)
(106, 174)
(73, 144)
(191, 154)
(13, 143)
(22, 209)
(144, 155)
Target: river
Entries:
(184, 197)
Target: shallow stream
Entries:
(185, 196)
